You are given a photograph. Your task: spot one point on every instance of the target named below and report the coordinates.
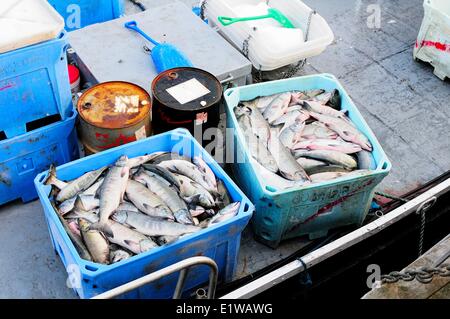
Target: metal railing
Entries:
(182, 266)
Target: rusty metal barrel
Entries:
(113, 114)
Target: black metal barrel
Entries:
(188, 98)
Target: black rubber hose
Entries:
(139, 4)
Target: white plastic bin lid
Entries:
(27, 22)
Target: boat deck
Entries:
(406, 106)
(438, 288)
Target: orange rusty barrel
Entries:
(113, 114)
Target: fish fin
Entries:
(104, 228)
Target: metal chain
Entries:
(300, 64)
(245, 46)
(202, 9)
(423, 275)
(389, 196)
(421, 210)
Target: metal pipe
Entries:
(295, 267)
(180, 283)
(213, 276)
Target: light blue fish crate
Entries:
(310, 210)
(78, 14)
(220, 242)
(34, 84)
(25, 156)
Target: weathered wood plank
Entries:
(438, 288)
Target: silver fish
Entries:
(127, 206)
(193, 192)
(271, 179)
(79, 185)
(153, 226)
(328, 169)
(263, 102)
(223, 197)
(165, 240)
(189, 170)
(309, 164)
(147, 201)
(168, 196)
(206, 170)
(317, 107)
(332, 157)
(277, 107)
(112, 192)
(287, 164)
(129, 239)
(345, 130)
(96, 243)
(225, 214)
(256, 148)
(328, 144)
(259, 125)
(316, 130)
(292, 135)
(77, 242)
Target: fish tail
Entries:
(51, 179)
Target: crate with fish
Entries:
(25, 156)
(127, 212)
(81, 13)
(304, 155)
(272, 34)
(34, 80)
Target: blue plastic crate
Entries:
(25, 156)
(81, 13)
(310, 210)
(220, 242)
(34, 84)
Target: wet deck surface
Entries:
(406, 106)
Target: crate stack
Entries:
(81, 13)
(37, 118)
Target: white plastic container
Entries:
(433, 42)
(27, 22)
(271, 46)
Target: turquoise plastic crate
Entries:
(81, 13)
(311, 210)
(25, 156)
(220, 242)
(34, 84)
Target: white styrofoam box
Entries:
(433, 42)
(27, 22)
(271, 46)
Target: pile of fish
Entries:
(298, 138)
(138, 204)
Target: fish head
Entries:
(146, 245)
(122, 161)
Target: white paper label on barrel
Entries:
(141, 133)
(188, 91)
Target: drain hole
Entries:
(34, 125)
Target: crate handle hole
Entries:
(86, 280)
(271, 189)
(268, 220)
(385, 165)
(265, 235)
(230, 92)
(270, 204)
(2, 135)
(91, 268)
(41, 179)
(246, 207)
(42, 122)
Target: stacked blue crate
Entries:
(80, 13)
(37, 118)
